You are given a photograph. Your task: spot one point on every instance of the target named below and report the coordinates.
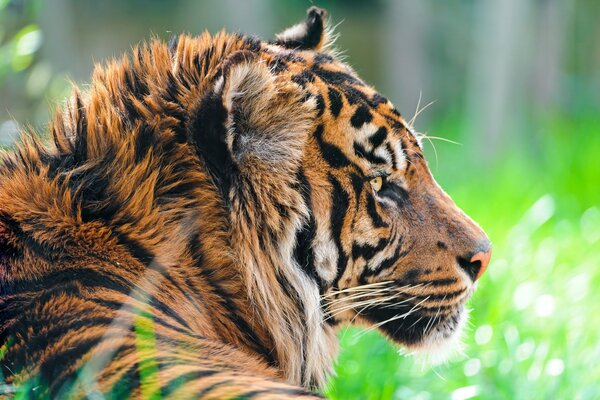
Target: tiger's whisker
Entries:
(392, 305)
(416, 322)
(361, 287)
(402, 289)
(366, 303)
(361, 303)
(396, 317)
(419, 111)
(358, 295)
(441, 139)
(432, 322)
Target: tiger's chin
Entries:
(433, 340)
(443, 341)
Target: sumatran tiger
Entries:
(210, 212)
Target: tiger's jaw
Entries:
(435, 332)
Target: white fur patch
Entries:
(293, 33)
(325, 255)
(443, 343)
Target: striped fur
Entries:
(212, 196)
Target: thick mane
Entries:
(124, 173)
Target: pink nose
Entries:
(483, 258)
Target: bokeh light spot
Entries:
(483, 334)
(472, 367)
(464, 393)
(545, 305)
(555, 367)
(524, 295)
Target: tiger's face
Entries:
(407, 256)
(391, 249)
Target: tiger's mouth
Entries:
(422, 324)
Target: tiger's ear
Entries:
(252, 123)
(310, 34)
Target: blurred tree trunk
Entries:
(553, 18)
(406, 26)
(60, 49)
(495, 89)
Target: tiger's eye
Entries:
(376, 183)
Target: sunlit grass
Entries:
(145, 341)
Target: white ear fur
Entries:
(268, 120)
(310, 34)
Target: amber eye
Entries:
(376, 183)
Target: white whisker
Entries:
(419, 111)
(356, 288)
(394, 318)
(366, 303)
(359, 295)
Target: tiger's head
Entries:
(384, 244)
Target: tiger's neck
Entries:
(282, 296)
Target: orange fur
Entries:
(218, 190)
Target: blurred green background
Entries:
(515, 82)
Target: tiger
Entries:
(209, 213)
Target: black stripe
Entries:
(378, 222)
(335, 77)
(361, 116)
(358, 184)
(392, 152)
(80, 146)
(204, 391)
(207, 133)
(366, 251)
(168, 311)
(293, 295)
(323, 58)
(251, 42)
(202, 62)
(176, 383)
(145, 256)
(335, 101)
(378, 137)
(86, 277)
(378, 99)
(443, 296)
(340, 203)
(277, 391)
(320, 105)
(384, 265)
(128, 381)
(303, 78)
(303, 249)
(224, 298)
(395, 193)
(52, 368)
(360, 151)
(331, 153)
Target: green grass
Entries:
(534, 331)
